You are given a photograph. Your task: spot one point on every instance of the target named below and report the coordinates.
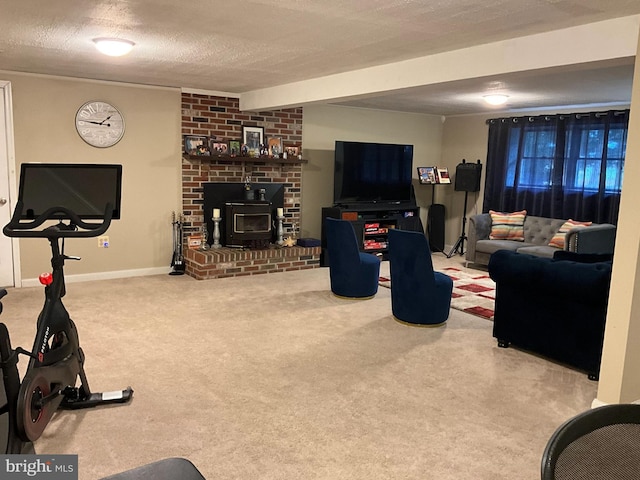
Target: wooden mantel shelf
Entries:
(238, 158)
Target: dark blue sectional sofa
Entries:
(553, 307)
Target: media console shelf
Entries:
(372, 224)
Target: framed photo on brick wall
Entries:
(292, 150)
(275, 146)
(196, 145)
(253, 138)
(219, 148)
(234, 147)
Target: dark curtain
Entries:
(557, 166)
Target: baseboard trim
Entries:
(599, 403)
(89, 277)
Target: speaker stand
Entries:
(459, 246)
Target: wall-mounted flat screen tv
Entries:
(372, 172)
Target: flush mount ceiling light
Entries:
(114, 47)
(496, 99)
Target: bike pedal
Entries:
(117, 396)
(96, 399)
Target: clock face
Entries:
(99, 124)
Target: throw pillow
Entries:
(558, 239)
(507, 226)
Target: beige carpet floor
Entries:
(473, 290)
(272, 377)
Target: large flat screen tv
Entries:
(372, 172)
(85, 189)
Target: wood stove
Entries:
(248, 224)
(217, 195)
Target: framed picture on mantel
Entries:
(275, 146)
(196, 145)
(234, 147)
(292, 150)
(253, 138)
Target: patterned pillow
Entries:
(507, 226)
(558, 239)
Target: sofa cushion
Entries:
(490, 246)
(507, 226)
(540, 230)
(558, 239)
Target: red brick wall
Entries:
(230, 262)
(221, 117)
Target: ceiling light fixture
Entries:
(496, 99)
(114, 47)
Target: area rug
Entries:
(473, 292)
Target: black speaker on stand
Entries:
(467, 180)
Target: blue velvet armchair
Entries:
(353, 274)
(419, 295)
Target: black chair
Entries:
(167, 469)
(600, 444)
(419, 295)
(353, 274)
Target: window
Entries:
(561, 166)
(592, 157)
(534, 165)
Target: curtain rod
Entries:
(560, 116)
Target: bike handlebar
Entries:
(21, 229)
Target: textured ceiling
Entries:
(238, 46)
(606, 85)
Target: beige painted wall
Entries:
(44, 110)
(463, 137)
(619, 379)
(323, 125)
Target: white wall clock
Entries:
(100, 124)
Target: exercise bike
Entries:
(10, 442)
(56, 360)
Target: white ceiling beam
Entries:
(594, 42)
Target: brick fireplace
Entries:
(222, 118)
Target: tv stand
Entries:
(371, 222)
(374, 205)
